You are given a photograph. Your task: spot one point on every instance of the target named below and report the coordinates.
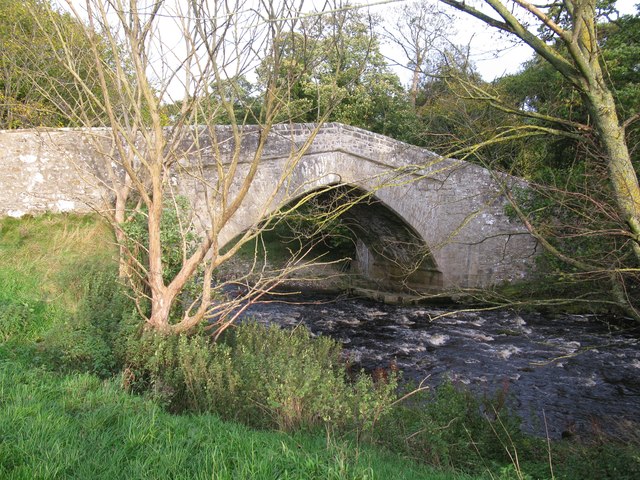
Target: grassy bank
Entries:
(65, 414)
(78, 426)
(57, 422)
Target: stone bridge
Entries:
(423, 222)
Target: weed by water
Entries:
(450, 427)
(266, 377)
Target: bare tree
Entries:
(169, 71)
(422, 32)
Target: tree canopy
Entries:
(340, 74)
(35, 88)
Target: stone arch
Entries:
(456, 208)
(389, 252)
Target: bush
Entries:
(175, 234)
(263, 376)
(182, 372)
(605, 458)
(296, 381)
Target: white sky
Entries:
(496, 56)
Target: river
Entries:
(578, 372)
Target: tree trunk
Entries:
(624, 178)
(161, 303)
(161, 297)
(415, 81)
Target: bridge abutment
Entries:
(389, 275)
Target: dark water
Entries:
(583, 374)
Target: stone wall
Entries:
(457, 208)
(50, 171)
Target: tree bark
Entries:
(623, 176)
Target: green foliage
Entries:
(35, 88)
(264, 376)
(316, 223)
(571, 202)
(455, 122)
(314, 229)
(620, 51)
(300, 381)
(16, 316)
(574, 213)
(242, 96)
(176, 235)
(332, 68)
(602, 458)
(93, 339)
(182, 372)
(538, 87)
(452, 427)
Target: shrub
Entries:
(175, 234)
(296, 381)
(263, 376)
(182, 372)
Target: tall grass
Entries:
(41, 270)
(77, 427)
(45, 250)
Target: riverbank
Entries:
(563, 374)
(79, 426)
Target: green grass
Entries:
(45, 262)
(41, 263)
(77, 426)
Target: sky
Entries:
(496, 56)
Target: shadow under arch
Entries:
(390, 254)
